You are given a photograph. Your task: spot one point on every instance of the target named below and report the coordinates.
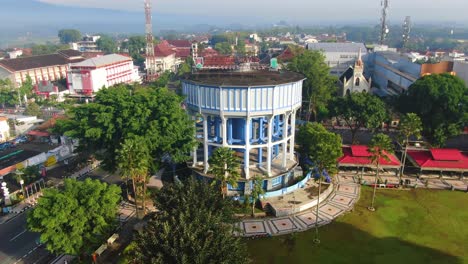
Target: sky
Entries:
(297, 11)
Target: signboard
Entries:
(274, 63)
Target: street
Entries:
(17, 245)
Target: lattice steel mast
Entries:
(150, 58)
(384, 28)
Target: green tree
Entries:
(133, 159)
(359, 110)
(126, 111)
(195, 225)
(319, 86)
(441, 101)
(77, 218)
(223, 48)
(240, 48)
(380, 148)
(8, 95)
(69, 35)
(136, 46)
(410, 125)
(225, 168)
(256, 192)
(107, 44)
(323, 148)
(33, 109)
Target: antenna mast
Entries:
(150, 58)
(384, 29)
(406, 31)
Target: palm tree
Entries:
(134, 161)
(379, 147)
(256, 192)
(324, 149)
(410, 125)
(225, 168)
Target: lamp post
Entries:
(21, 183)
(6, 194)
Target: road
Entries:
(17, 245)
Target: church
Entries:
(353, 79)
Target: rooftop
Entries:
(338, 47)
(34, 62)
(439, 159)
(102, 61)
(252, 78)
(359, 156)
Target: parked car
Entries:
(20, 139)
(6, 145)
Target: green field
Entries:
(417, 226)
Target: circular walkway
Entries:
(342, 200)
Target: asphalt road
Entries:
(17, 245)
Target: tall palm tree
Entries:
(134, 162)
(410, 125)
(225, 168)
(379, 148)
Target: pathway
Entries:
(342, 200)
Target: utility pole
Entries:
(150, 58)
(384, 27)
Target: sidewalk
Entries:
(340, 201)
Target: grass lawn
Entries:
(416, 226)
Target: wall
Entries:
(437, 68)
(461, 69)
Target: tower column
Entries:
(293, 133)
(247, 148)
(269, 144)
(224, 128)
(205, 144)
(285, 143)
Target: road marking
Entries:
(23, 257)
(15, 237)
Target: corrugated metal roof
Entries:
(101, 61)
(338, 47)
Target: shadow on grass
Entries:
(343, 243)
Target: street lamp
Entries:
(21, 183)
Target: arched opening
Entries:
(357, 82)
(348, 92)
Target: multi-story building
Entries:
(87, 44)
(393, 73)
(91, 75)
(339, 56)
(51, 67)
(254, 114)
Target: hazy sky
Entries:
(294, 10)
(290, 10)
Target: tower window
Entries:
(357, 82)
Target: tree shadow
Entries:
(343, 243)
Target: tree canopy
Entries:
(33, 109)
(223, 48)
(122, 112)
(359, 110)
(76, 219)
(321, 146)
(136, 46)
(69, 35)
(225, 168)
(441, 101)
(107, 44)
(319, 86)
(194, 226)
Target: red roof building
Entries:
(359, 156)
(209, 52)
(220, 62)
(439, 159)
(180, 43)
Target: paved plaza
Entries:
(342, 200)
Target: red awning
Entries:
(38, 133)
(358, 156)
(446, 154)
(426, 160)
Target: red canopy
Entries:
(359, 156)
(439, 159)
(38, 133)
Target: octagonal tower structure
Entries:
(252, 113)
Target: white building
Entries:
(339, 56)
(88, 44)
(89, 76)
(353, 79)
(15, 53)
(4, 129)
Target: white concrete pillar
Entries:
(269, 144)
(247, 148)
(224, 132)
(195, 158)
(293, 133)
(205, 144)
(285, 143)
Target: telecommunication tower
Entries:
(150, 58)
(406, 31)
(384, 28)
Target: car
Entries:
(6, 145)
(21, 139)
